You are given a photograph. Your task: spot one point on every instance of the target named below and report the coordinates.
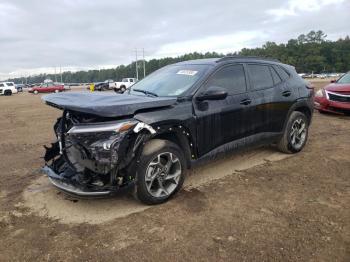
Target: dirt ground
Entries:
(257, 205)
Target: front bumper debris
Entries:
(60, 183)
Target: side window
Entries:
(275, 76)
(260, 76)
(231, 78)
(1, 85)
(282, 73)
(131, 80)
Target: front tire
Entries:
(36, 92)
(56, 91)
(8, 92)
(295, 134)
(160, 173)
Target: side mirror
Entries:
(333, 81)
(213, 93)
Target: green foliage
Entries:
(308, 53)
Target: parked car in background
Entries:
(20, 87)
(7, 88)
(49, 87)
(121, 87)
(164, 124)
(335, 97)
(103, 86)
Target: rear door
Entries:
(270, 96)
(286, 94)
(222, 121)
(51, 87)
(44, 88)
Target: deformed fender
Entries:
(174, 132)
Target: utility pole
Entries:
(137, 70)
(144, 63)
(55, 76)
(61, 73)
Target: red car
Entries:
(335, 97)
(46, 88)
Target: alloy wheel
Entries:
(163, 174)
(298, 133)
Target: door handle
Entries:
(245, 102)
(286, 93)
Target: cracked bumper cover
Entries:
(66, 187)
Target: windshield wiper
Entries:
(148, 93)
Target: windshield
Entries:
(170, 80)
(9, 84)
(345, 79)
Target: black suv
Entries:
(148, 137)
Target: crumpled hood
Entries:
(105, 104)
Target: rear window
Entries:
(260, 76)
(282, 73)
(275, 76)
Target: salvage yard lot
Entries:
(257, 205)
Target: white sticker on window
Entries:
(187, 72)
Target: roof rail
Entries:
(247, 57)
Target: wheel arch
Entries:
(306, 111)
(304, 106)
(179, 139)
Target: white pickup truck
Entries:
(7, 88)
(120, 87)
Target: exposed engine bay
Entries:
(85, 157)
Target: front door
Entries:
(221, 121)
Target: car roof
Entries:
(215, 61)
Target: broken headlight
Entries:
(95, 146)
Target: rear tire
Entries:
(122, 89)
(295, 134)
(160, 173)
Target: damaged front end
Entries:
(93, 156)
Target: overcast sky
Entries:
(37, 35)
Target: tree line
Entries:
(308, 53)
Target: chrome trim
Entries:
(76, 191)
(95, 128)
(336, 94)
(326, 92)
(141, 126)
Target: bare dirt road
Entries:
(257, 205)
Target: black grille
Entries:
(338, 98)
(0, 91)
